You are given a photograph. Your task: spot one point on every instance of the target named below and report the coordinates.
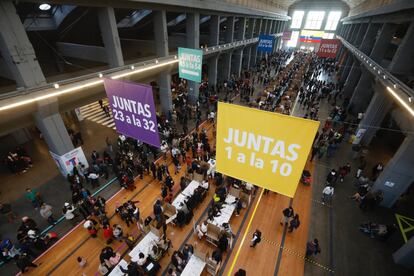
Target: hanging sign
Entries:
(266, 43)
(329, 48)
(133, 110)
(190, 63)
(264, 148)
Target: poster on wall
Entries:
(266, 43)
(190, 63)
(133, 110)
(270, 157)
(329, 48)
(69, 160)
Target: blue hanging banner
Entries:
(265, 43)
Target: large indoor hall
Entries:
(206, 137)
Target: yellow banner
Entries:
(263, 148)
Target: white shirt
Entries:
(328, 190)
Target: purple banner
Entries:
(133, 110)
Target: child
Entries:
(82, 262)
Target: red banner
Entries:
(329, 48)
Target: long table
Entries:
(188, 191)
(226, 210)
(143, 246)
(194, 267)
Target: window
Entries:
(293, 39)
(328, 35)
(333, 20)
(297, 18)
(314, 20)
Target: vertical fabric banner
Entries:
(266, 43)
(264, 148)
(287, 35)
(133, 110)
(190, 63)
(329, 48)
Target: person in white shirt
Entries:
(327, 194)
(201, 229)
(204, 184)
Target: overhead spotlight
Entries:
(385, 77)
(214, 48)
(379, 72)
(156, 61)
(132, 67)
(410, 99)
(100, 75)
(175, 57)
(395, 86)
(375, 68)
(44, 7)
(56, 85)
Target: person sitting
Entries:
(133, 269)
(223, 243)
(155, 253)
(201, 229)
(177, 259)
(188, 250)
(142, 259)
(216, 256)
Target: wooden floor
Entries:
(266, 259)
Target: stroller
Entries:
(306, 178)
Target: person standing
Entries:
(23, 262)
(68, 211)
(294, 223)
(34, 197)
(47, 213)
(257, 238)
(312, 247)
(287, 214)
(327, 194)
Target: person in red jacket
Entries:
(107, 233)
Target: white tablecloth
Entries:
(194, 267)
(144, 246)
(226, 210)
(212, 169)
(117, 271)
(188, 191)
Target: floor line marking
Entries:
(245, 234)
(282, 243)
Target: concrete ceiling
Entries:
(287, 3)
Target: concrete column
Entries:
(229, 35)
(238, 54)
(161, 49)
(258, 28)
(381, 43)
(379, 106)
(212, 70)
(361, 34)
(50, 123)
(214, 40)
(214, 30)
(352, 79)
(402, 62)
(362, 93)
(247, 52)
(398, 175)
(16, 49)
(270, 28)
(369, 38)
(226, 60)
(347, 67)
(110, 37)
(193, 41)
(405, 255)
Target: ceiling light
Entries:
(100, 75)
(395, 86)
(175, 57)
(44, 7)
(132, 67)
(410, 99)
(401, 101)
(56, 85)
(156, 61)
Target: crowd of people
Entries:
(18, 161)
